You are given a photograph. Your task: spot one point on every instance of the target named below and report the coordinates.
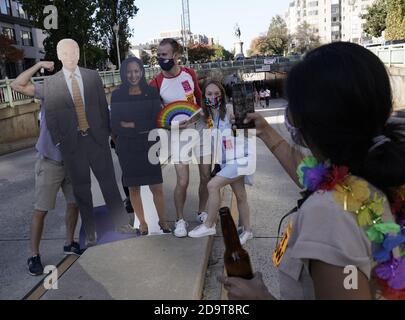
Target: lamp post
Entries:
(116, 28)
(108, 63)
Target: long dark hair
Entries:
(123, 73)
(340, 97)
(207, 110)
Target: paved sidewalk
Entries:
(174, 261)
(154, 267)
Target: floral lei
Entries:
(387, 238)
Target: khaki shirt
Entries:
(322, 230)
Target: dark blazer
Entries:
(143, 110)
(60, 112)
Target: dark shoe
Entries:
(143, 229)
(73, 248)
(165, 227)
(126, 228)
(35, 266)
(128, 205)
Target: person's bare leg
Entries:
(238, 188)
(136, 200)
(180, 191)
(71, 216)
(159, 201)
(214, 198)
(203, 190)
(37, 226)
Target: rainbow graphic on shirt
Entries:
(176, 111)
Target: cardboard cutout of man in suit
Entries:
(78, 120)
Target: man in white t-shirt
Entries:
(267, 97)
(177, 83)
(262, 95)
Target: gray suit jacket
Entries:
(61, 115)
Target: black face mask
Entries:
(166, 64)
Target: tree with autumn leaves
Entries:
(200, 53)
(388, 16)
(395, 20)
(8, 54)
(274, 42)
(375, 19)
(277, 40)
(90, 23)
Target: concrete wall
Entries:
(18, 123)
(397, 76)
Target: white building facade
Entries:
(332, 20)
(178, 35)
(352, 24)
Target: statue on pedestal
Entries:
(237, 31)
(239, 44)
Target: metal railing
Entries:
(392, 55)
(11, 98)
(245, 63)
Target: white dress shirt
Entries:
(79, 79)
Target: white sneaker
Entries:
(180, 229)
(201, 216)
(202, 231)
(245, 236)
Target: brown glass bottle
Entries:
(236, 259)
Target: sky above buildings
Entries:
(214, 18)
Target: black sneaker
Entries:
(128, 205)
(35, 266)
(73, 248)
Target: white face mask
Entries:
(295, 133)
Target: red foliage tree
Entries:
(8, 53)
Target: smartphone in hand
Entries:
(243, 103)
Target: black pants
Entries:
(90, 154)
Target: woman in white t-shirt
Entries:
(346, 237)
(234, 157)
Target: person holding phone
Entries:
(214, 105)
(340, 108)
